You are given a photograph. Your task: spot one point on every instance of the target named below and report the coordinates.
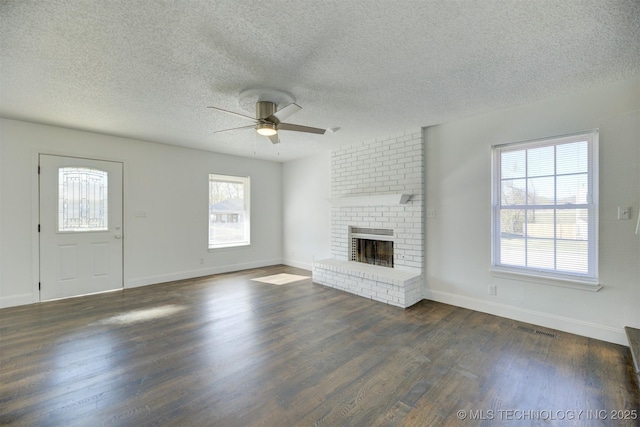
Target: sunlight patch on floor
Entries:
(281, 279)
(142, 315)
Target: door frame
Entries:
(35, 212)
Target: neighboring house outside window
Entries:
(545, 208)
(229, 219)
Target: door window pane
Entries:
(82, 199)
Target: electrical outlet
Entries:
(624, 213)
(201, 261)
(493, 290)
(431, 213)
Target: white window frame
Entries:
(589, 279)
(245, 181)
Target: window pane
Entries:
(540, 161)
(540, 191)
(513, 192)
(513, 164)
(540, 253)
(540, 223)
(512, 251)
(573, 189)
(572, 157)
(82, 199)
(228, 213)
(540, 235)
(572, 224)
(573, 256)
(512, 222)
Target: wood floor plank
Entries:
(225, 350)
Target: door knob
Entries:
(118, 236)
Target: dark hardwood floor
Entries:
(228, 351)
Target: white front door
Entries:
(80, 226)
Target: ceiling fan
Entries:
(269, 120)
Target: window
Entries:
(82, 199)
(228, 211)
(545, 208)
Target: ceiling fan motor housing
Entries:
(265, 109)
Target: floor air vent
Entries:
(536, 331)
(546, 334)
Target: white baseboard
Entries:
(298, 264)
(190, 274)
(13, 300)
(552, 321)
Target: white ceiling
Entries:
(148, 69)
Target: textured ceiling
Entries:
(148, 69)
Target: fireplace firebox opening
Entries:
(372, 246)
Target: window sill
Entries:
(545, 280)
(229, 246)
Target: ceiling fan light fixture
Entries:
(266, 129)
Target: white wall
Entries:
(458, 186)
(169, 183)
(306, 186)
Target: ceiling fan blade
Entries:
(285, 112)
(300, 128)
(275, 139)
(241, 127)
(235, 114)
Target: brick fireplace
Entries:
(377, 194)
